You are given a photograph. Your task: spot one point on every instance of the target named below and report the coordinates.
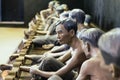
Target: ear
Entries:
(72, 32)
(87, 46)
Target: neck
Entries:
(80, 26)
(95, 52)
(74, 43)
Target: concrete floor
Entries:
(9, 41)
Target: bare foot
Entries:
(33, 57)
(25, 68)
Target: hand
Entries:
(48, 54)
(34, 69)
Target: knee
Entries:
(46, 63)
(48, 59)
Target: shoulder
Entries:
(87, 63)
(90, 63)
(86, 67)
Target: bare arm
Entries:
(85, 71)
(42, 32)
(57, 51)
(58, 48)
(43, 15)
(46, 74)
(34, 70)
(65, 57)
(73, 63)
(57, 54)
(65, 69)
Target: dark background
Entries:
(0, 10)
(12, 10)
(105, 13)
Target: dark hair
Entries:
(77, 14)
(87, 18)
(92, 36)
(53, 3)
(65, 14)
(68, 24)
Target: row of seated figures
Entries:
(38, 26)
(25, 48)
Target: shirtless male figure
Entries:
(66, 34)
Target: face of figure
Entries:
(50, 6)
(63, 36)
(85, 49)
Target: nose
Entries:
(58, 36)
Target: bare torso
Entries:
(95, 69)
(100, 72)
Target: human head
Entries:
(65, 6)
(64, 15)
(59, 10)
(66, 30)
(87, 20)
(90, 39)
(109, 44)
(78, 15)
(53, 4)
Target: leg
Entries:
(39, 41)
(25, 68)
(51, 64)
(33, 57)
(48, 64)
(36, 59)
